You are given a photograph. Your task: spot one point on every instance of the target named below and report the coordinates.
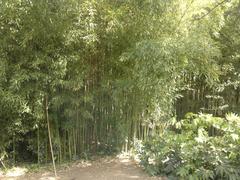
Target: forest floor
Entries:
(108, 168)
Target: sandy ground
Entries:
(102, 169)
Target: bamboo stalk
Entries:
(49, 135)
(38, 146)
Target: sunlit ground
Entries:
(121, 167)
(124, 157)
(18, 172)
(13, 172)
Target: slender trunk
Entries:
(3, 164)
(38, 146)
(49, 135)
(74, 142)
(60, 147)
(69, 146)
(46, 151)
(14, 149)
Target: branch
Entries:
(215, 7)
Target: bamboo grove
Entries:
(91, 76)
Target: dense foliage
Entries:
(81, 77)
(197, 147)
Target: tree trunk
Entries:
(49, 135)
(38, 146)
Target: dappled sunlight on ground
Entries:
(47, 178)
(16, 172)
(13, 173)
(108, 168)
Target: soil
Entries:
(116, 168)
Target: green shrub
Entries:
(197, 147)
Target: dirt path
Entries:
(101, 169)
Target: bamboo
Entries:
(14, 150)
(69, 146)
(38, 146)
(49, 135)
